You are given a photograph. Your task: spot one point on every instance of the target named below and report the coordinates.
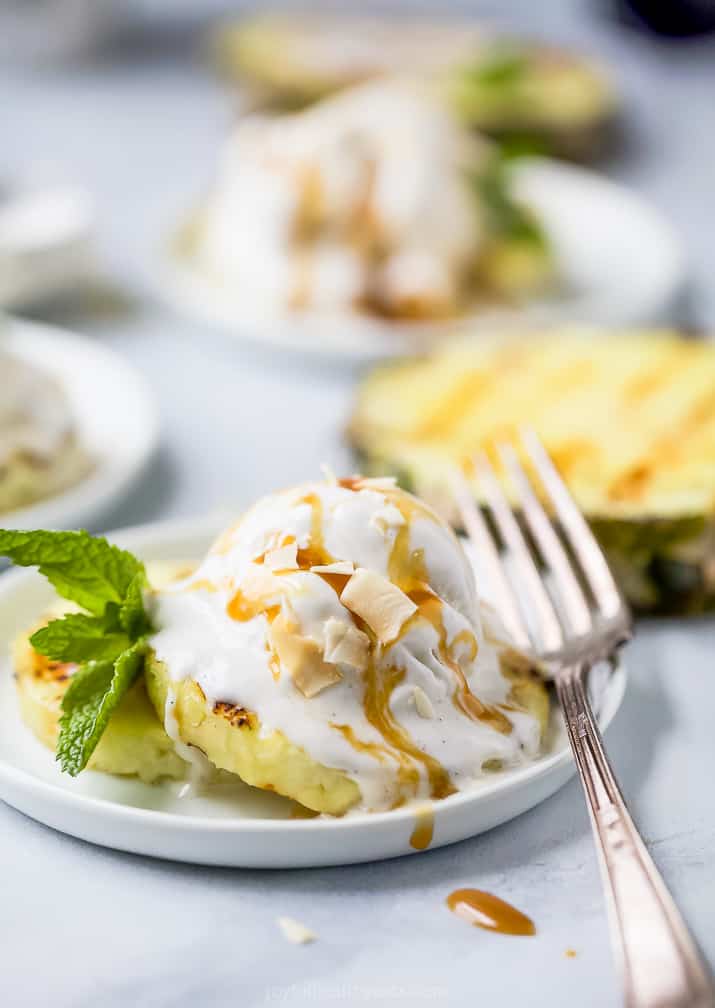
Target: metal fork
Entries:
(659, 960)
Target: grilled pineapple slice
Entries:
(231, 738)
(629, 420)
(134, 743)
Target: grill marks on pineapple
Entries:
(237, 717)
(628, 419)
(676, 444)
(50, 670)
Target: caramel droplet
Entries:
(484, 910)
(424, 828)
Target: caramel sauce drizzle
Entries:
(379, 686)
(484, 910)
(351, 483)
(463, 698)
(423, 832)
(407, 776)
(408, 571)
(243, 609)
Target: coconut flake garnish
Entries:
(423, 703)
(339, 567)
(295, 932)
(345, 644)
(379, 602)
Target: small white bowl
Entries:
(45, 244)
(243, 827)
(618, 262)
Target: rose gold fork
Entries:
(568, 630)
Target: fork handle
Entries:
(660, 963)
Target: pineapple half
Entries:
(628, 417)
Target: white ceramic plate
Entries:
(619, 263)
(115, 416)
(242, 827)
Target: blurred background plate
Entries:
(619, 262)
(114, 413)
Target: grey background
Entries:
(83, 926)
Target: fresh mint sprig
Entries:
(507, 218)
(108, 641)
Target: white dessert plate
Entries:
(240, 827)
(114, 414)
(618, 261)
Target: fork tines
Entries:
(586, 601)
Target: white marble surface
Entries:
(83, 926)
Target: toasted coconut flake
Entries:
(259, 582)
(379, 482)
(339, 567)
(422, 703)
(284, 558)
(302, 657)
(389, 517)
(379, 602)
(295, 932)
(345, 644)
(287, 619)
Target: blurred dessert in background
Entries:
(373, 201)
(40, 451)
(523, 92)
(629, 419)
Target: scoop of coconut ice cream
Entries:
(343, 616)
(307, 207)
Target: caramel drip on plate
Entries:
(423, 832)
(484, 910)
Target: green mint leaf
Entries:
(84, 569)
(81, 638)
(95, 692)
(132, 615)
